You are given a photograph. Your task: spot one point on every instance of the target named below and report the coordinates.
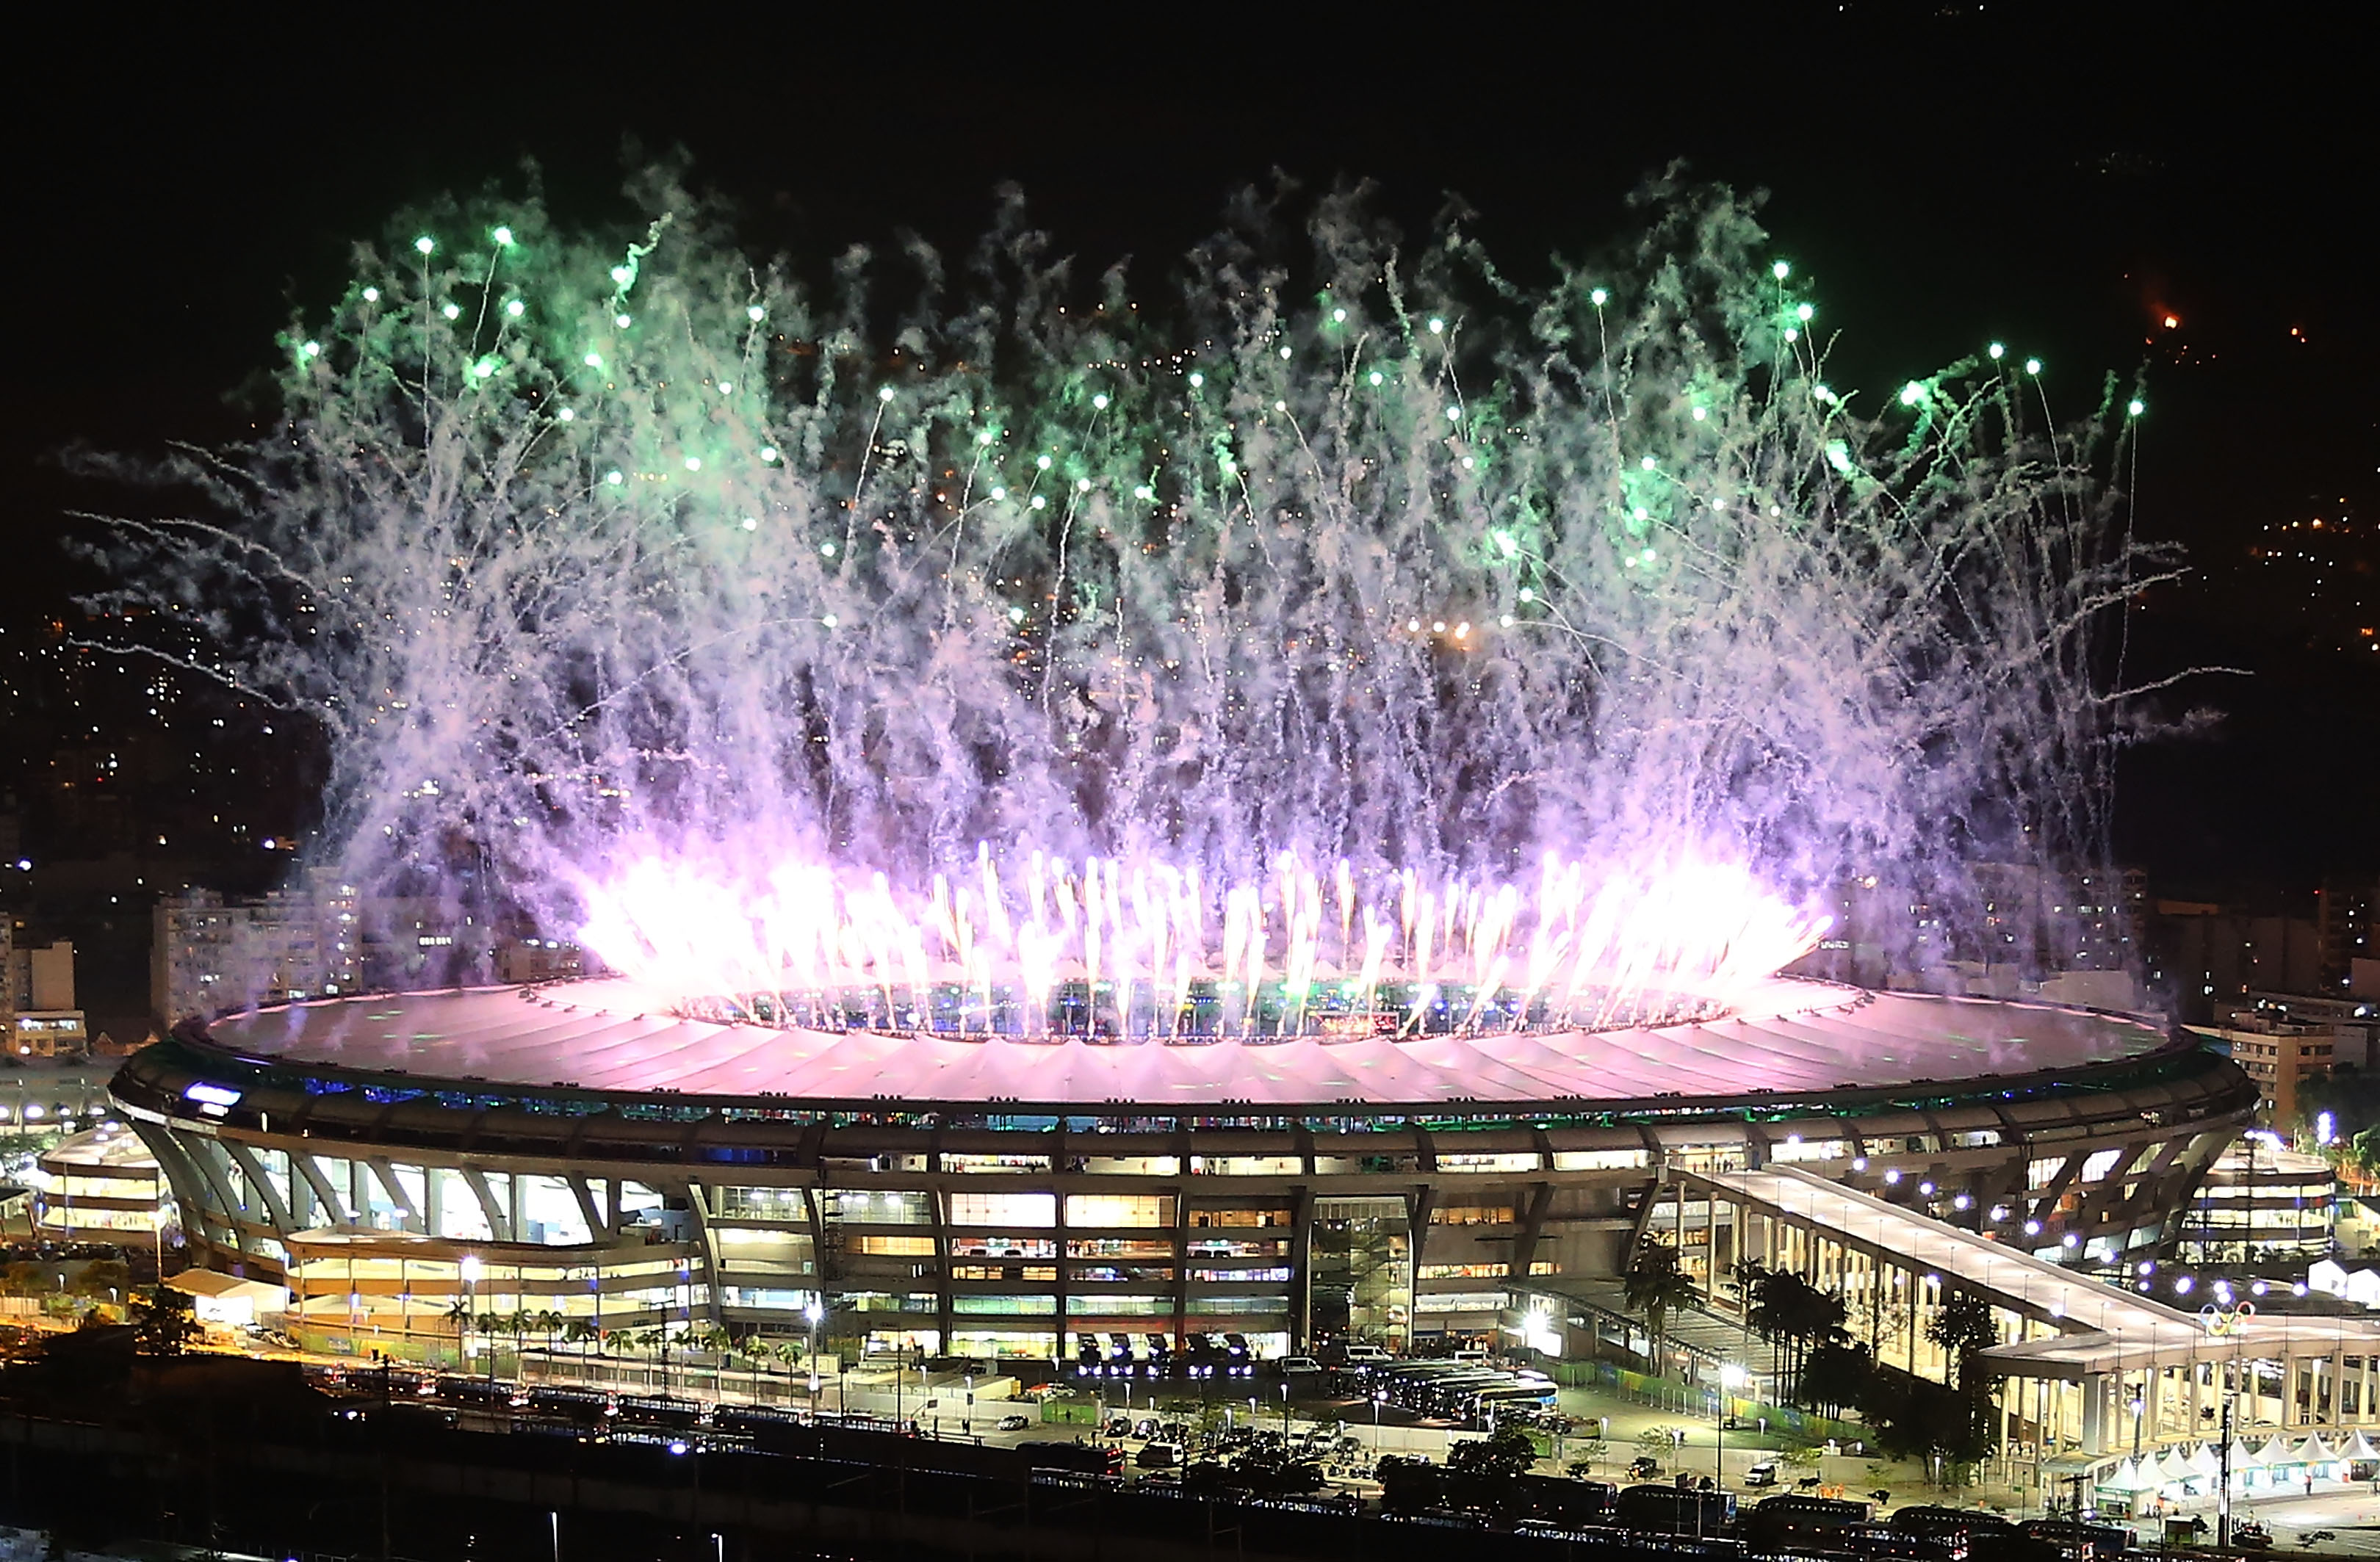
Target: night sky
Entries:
(1942, 175)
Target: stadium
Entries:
(581, 1152)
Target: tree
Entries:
(581, 1332)
(1500, 1456)
(1656, 1283)
(1272, 1472)
(106, 1279)
(1963, 1326)
(1917, 1418)
(1407, 1485)
(1786, 1308)
(166, 1323)
(1836, 1378)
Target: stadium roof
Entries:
(605, 1034)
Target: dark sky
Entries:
(1943, 175)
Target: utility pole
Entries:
(2223, 1484)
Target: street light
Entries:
(813, 1311)
(469, 1270)
(1730, 1377)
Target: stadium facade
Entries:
(577, 1152)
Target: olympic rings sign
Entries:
(2221, 1321)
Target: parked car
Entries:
(1013, 1423)
(1643, 1466)
(1160, 1456)
(1764, 1473)
(1116, 1427)
(1144, 1428)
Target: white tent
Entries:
(2359, 1448)
(2131, 1478)
(2207, 1462)
(2281, 1451)
(2243, 1458)
(2362, 1287)
(2330, 1275)
(2173, 1467)
(2316, 1451)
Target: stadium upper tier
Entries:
(605, 1036)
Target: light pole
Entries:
(1730, 1377)
(1285, 1412)
(813, 1311)
(469, 1270)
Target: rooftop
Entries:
(607, 1034)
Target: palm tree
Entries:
(1788, 1308)
(1656, 1283)
(1747, 1274)
(789, 1354)
(578, 1331)
(458, 1313)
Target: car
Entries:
(1764, 1473)
(1297, 1366)
(1643, 1466)
(1116, 1427)
(1012, 1423)
(1144, 1428)
(1161, 1456)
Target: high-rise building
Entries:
(2279, 1055)
(2344, 924)
(38, 1015)
(2210, 957)
(210, 955)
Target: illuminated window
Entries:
(1005, 1209)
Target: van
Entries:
(1471, 1357)
(1160, 1456)
(1295, 1365)
(1365, 1355)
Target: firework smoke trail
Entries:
(604, 566)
